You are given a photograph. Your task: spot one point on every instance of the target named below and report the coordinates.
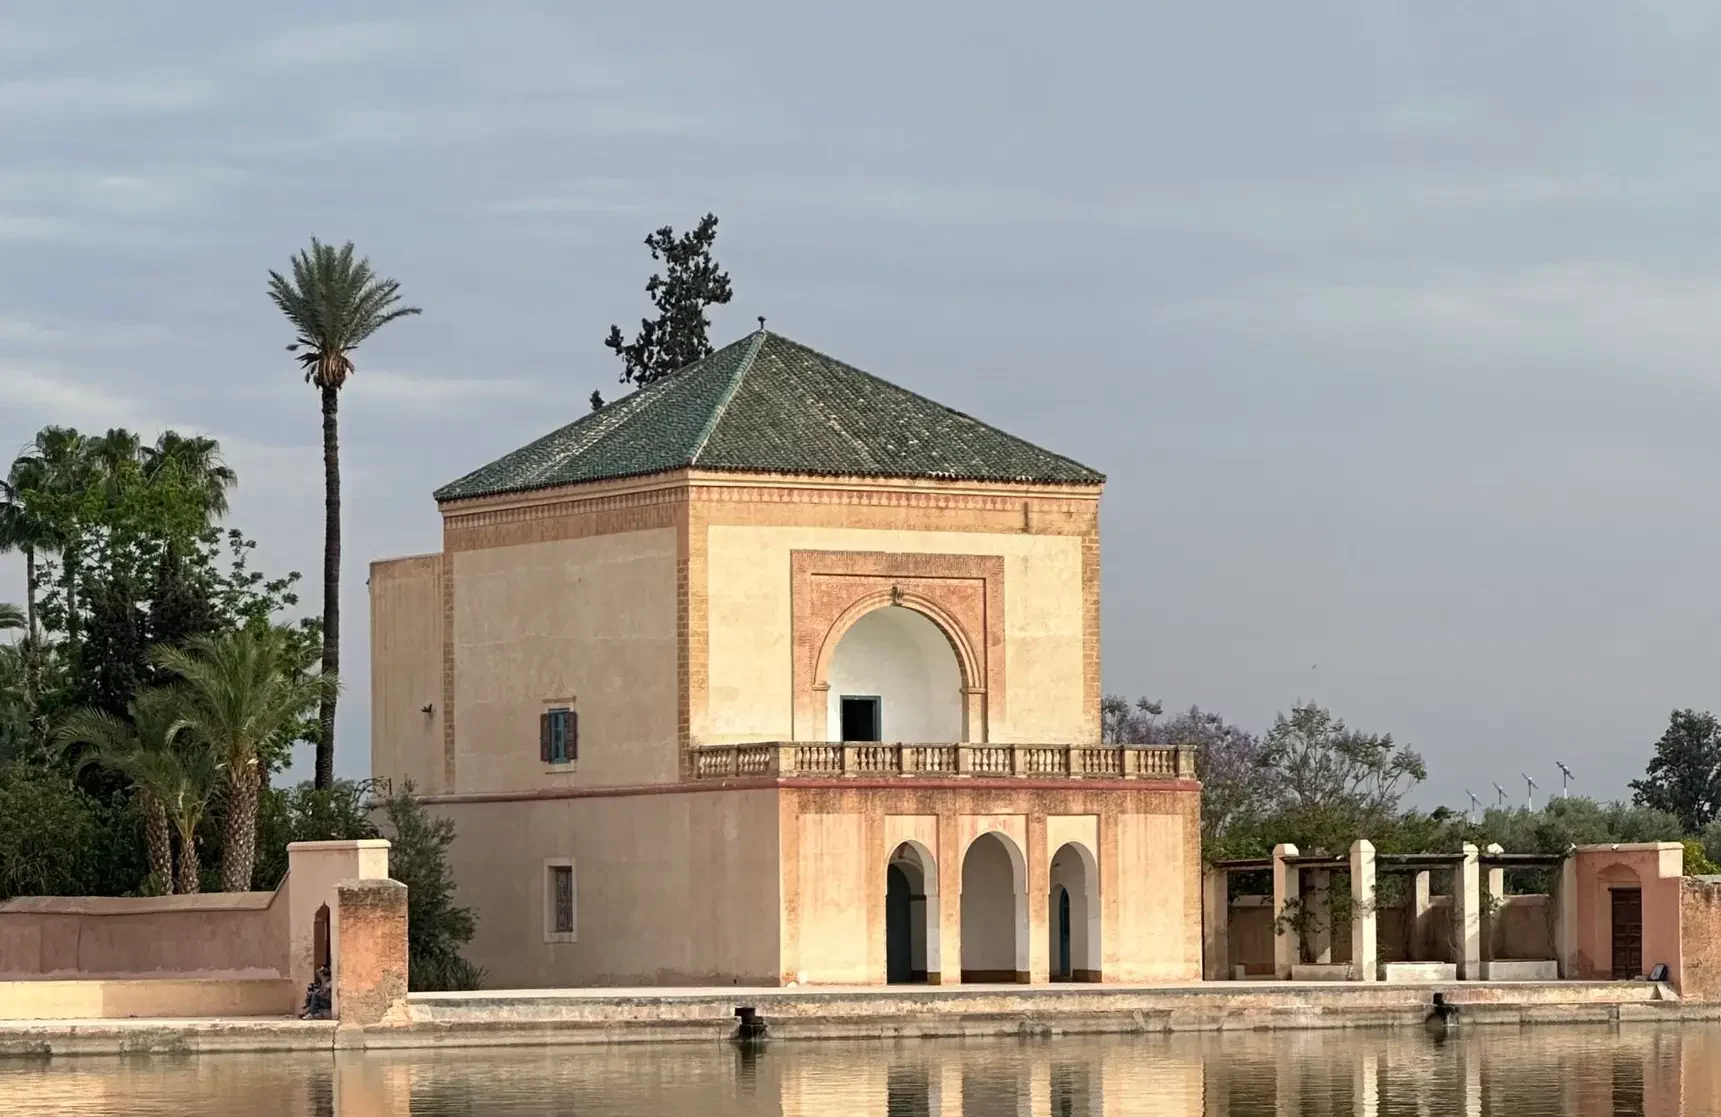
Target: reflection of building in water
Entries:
(1489, 1072)
(774, 672)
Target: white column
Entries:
(1364, 953)
(1287, 943)
(1466, 916)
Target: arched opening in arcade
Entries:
(994, 911)
(1073, 915)
(911, 915)
(894, 677)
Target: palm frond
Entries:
(334, 303)
(11, 617)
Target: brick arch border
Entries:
(962, 594)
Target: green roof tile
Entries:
(766, 404)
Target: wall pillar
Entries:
(1216, 924)
(367, 921)
(1364, 952)
(313, 870)
(1319, 905)
(1287, 943)
(1566, 930)
(1466, 916)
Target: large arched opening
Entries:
(911, 915)
(894, 677)
(994, 911)
(1073, 915)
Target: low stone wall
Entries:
(236, 933)
(158, 998)
(216, 954)
(1521, 928)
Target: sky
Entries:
(1393, 324)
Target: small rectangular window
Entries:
(860, 718)
(559, 736)
(562, 877)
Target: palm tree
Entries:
(171, 776)
(194, 462)
(23, 531)
(236, 691)
(55, 467)
(11, 617)
(334, 303)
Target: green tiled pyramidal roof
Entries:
(766, 404)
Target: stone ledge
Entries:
(1418, 973)
(1518, 970)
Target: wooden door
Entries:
(1627, 933)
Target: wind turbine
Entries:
(1502, 799)
(1565, 779)
(1529, 792)
(1474, 804)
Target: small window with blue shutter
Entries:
(559, 736)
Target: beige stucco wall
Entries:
(591, 621)
(670, 889)
(406, 671)
(750, 694)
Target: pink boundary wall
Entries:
(208, 954)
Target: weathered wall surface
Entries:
(368, 919)
(587, 622)
(1522, 927)
(1700, 940)
(69, 936)
(669, 889)
(406, 671)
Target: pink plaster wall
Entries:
(1655, 867)
(237, 934)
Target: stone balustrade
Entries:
(822, 758)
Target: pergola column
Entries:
(1216, 924)
(1364, 955)
(1492, 913)
(1287, 942)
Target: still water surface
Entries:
(1548, 1072)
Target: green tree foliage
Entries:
(1684, 775)
(57, 840)
(335, 302)
(437, 928)
(690, 283)
(308, 813)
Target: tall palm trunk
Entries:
(158, 838)
(325, 773)
(239, 843)
(33, 655)
(190, 867)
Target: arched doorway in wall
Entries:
(994, 911)
(1073, 915)
(910, 915)
(894, 677)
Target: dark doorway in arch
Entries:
(862, 720)
(320, 940)
(899, 927)
(911, 916)
(1061, 970)
(1627, 933)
